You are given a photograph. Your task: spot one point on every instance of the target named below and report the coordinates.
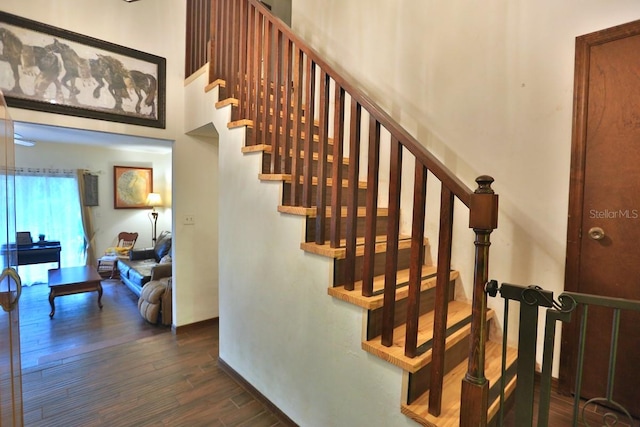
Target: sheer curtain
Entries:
(47, 202)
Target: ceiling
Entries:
(46, 133)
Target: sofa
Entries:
(145, 265)
(155, 302)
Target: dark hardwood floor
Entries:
(92, 367)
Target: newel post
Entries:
(483, 218)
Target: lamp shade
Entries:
(154, 199)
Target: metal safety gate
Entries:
(569, 307)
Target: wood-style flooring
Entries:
(91, 367)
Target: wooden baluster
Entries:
(296, 138)
(257, 83)
(214, 28)
(265, 117)
(372, 208)
(276, 104)
(393, 233)
(307, 175)
(483, 218)
(443, 279)
(228, 36)
(286, 104)
(323, 148)
(338, 157)
(190, 47)
(234, 53)
(352, 197)
(247, 111)
(242, 73)
(416, 261)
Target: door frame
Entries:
(584, 44)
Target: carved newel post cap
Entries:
(484, 184)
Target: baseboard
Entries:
(282, 417)
(177, 330)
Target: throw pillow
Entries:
(166, 259)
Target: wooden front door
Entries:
(603, 241)
(10, 286)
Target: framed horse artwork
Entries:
(49, 69)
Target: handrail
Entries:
(459, 189)
(287, 94)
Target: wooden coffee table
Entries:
(73, 280)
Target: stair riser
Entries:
(310, 235)
(427, 304)
(266, 167)
(265, 138)
(404, 256)
(419, 381)
(286, 195)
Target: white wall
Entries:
(278, 327)
(488, 87)
(155, 27)
(108, 222)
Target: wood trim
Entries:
(185, 329)
(282, 417)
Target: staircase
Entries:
(326, 142)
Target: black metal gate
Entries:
(568, 307)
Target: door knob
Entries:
(596, 233)
(6, 302)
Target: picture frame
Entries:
(46, 68)
(131, 186)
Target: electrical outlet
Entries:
(189, 220)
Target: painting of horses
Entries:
(49, 69)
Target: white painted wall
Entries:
(488, 87)
(155, 27)
(278, 327)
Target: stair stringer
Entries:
(278, 329)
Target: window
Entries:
(48, 202)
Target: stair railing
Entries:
(290, 98)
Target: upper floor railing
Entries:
(197, 47)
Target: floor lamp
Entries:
(153, 200)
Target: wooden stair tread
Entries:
(452, 386)
(239, 123)
(228, 101)
(458, 312)
(312, 211)
(376, 301)
(214, 84)
(340, 253)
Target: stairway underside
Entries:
(416, 369)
